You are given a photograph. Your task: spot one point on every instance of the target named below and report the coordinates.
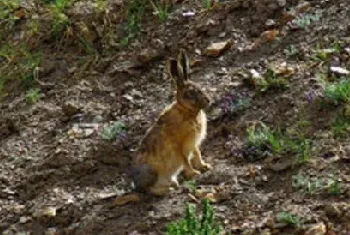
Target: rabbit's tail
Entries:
(142, 177)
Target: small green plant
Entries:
(333, 187)
(270, 80)
(338, 92)
(307, 19)
(291, 51)
(111, 132)
(286, 217)
(33, 95)
(59, 19)
(190, 185)
(306, 184)
(207, 4)
(17, 62)
(303, 149)
(7, 16)
(264, 137)
(136, 10)
(341, 127)
(192, 224)
(316, 185)
(161, 10)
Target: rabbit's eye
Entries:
(190, 94)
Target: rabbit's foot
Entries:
(160, 190)
(190, 174)
(175, 184)
(205, 166)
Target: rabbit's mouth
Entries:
(205, 103)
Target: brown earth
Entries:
(53, 182)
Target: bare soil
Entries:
(53, 182)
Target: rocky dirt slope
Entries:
(289, 175)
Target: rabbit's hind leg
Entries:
(164, 185)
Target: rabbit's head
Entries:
(189, 94)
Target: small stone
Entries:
(216, 49)
(339, 71)
(269, 35)
(332, 211)
(70, 108)
(23, 219)
(49, 211)
(317, 229)
(125, 199)
(270, 23)
(287, 16)
(148, 55)
(281, 3)
(303, 6)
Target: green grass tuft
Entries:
(338, 92)
(33, 95)
(286, 217)
(192, 224)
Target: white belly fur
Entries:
(203, 132)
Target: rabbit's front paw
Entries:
(190, 174)
(175, 184)
(206, 167)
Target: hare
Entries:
(172, 144)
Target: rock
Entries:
(125, 199)
(216, 49)
(269, 35)
(303, 6)
(332, 211)
(281, 3)
(281, 165)
(270, 23)
(24, 219)
(49, 211)
(148, 55)
(338, 71)
(287, 16)
(70, 108)
(316, 229)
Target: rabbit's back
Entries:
(174, 130)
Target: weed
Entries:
(333, 187)
(264, 137)
(270, 80)
(101, 5)
(161, 10)
(136, 9)
(307, 19)
(33, 95)
(190, 185)
(303, 148)
(59, 19)
(286, 217)
(310, 186)
(192, 224)
(338, 92)
(18, 63)
(7, 15)
(113, 131)
(231, 104)
(291, 51)
(316, 185)
(207, 4)
(341, 127)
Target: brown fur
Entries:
(172, 143)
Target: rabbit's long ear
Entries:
(183, 65)
(173, 70)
